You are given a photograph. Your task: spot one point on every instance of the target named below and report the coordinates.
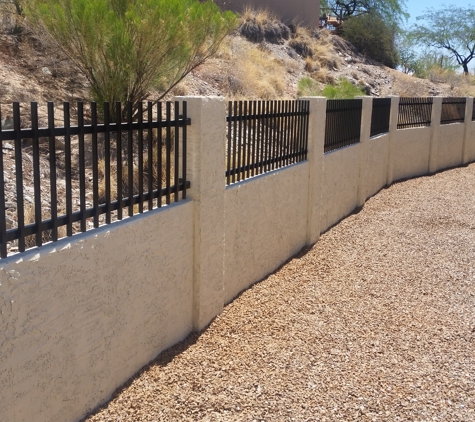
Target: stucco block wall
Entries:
(449, 145)
(82, 315)
(410, 152)
(470, 142)
(375, 164)
(340, 181)
(265, 224)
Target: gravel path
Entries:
(375, 323)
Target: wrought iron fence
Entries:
(473, 110)
(71, 178)
(343, 123)
(380, 116)
(264, 136)
(414, 112)
(453, 110)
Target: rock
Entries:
(7, 123)
(6, 145)
(46, 71)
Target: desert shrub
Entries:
(127, 47)
(374, 37)
(260, 25)
(342, 89)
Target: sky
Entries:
(417, 7)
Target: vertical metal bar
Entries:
(82, 170)
(3, 220)
(285, 141)
(234, 140)
(52, 170)
(177, 152)
(95, 164)
(118, 119)
(307, 117)
(244, 141)
(255, 160)
(260, 137)
(19, 177)
(107, 160)
(291, 132)
(300, 130)
(184, 112)
(249, 139)
(36, 173)
(160, 153)
(272, 135)
(150, 153)
(68, 168)
(169, 147)
(281, 134)
(267, 136)
(140, 154)
(130, 159)
(239, 143)
(228, 158)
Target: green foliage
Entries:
(391, 10)
(125, 48)
(344, 89)
(374, 37)
(308, 87)
(451, 29)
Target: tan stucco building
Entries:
(306, 12)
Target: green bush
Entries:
(125, 48)
(344, 89)
(374, 37)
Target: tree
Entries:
(451, 29)
(373, 36)
(390, 10)
(127, 47)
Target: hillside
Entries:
(32, 69)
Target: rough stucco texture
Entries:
(375, 170)
(265, 222)
(470, 147)
(410, 152)
(80, 316)
(450, 145)
(339, 185)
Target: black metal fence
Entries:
(55, 181)
(343, 123)
(265, 135)
(414, 112)
(453, 110)
(473, 110)
(380, 116)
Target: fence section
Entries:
(473, 110)
(453, 110)
(380, 116)
(414, 112)
(343, 123)
(71, 178)
(264, 136)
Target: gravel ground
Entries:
(376, 322)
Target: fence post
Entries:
(434, 134)
(206, 154)
(365, 133)
(316, 141)
(392, 136)
(466, 131)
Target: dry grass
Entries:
(46, 236)
(256, 74)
